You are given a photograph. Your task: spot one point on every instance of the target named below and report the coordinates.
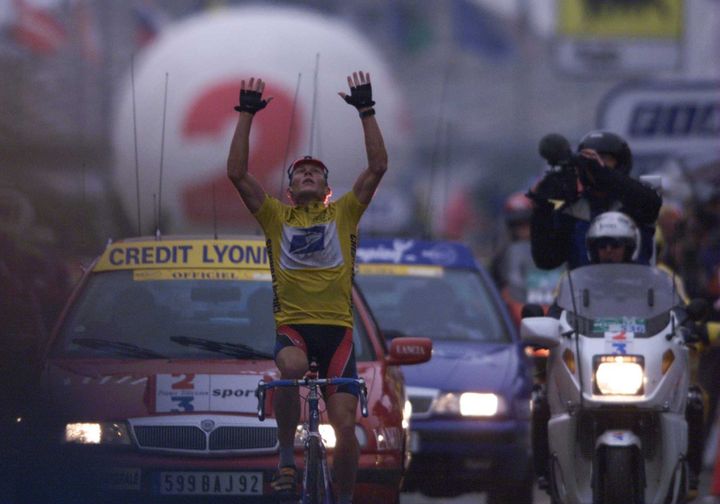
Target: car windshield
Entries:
(446, 305)
(618, 290)
(124, 315)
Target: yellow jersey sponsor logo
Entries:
(209, 254)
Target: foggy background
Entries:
(477, 84)
(465, 89)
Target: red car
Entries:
(147, 386)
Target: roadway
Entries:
(540, 496)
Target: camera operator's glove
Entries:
(251, 101)
(591, 172)
(557, 185)
(360, 96)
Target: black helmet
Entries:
(604, 142)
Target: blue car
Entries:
(470, 424)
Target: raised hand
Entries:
(360, 95)
(251, 96)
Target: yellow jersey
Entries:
(311, 250)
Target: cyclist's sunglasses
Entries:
(602, 243)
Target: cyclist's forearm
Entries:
(237, 163)
(374, 146)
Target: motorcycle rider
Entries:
(517, 210)
(602, 176)
(613, 237)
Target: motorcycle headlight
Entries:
(619, 374)
(107, 433)
(470, 404)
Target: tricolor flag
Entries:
(87, 30)
(38, 28)
(149, 20)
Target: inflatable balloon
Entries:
(203, 60)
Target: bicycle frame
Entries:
(314, 449)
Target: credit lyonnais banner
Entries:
(621, 18)
(196, 254)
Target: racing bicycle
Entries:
(316, 481)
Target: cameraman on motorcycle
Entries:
(595, 180)
(613, 238)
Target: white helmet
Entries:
(613, 226)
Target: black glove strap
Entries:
(367, 113)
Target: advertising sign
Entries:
(665, 117)
(618, 36)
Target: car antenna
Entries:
(314, 104)
(289, 137)
(576, 328)
(215, 220)
(137, 164)
(162, 159)
(433, 160)
(83, 204)
(674, 295)
(157, 216)
(447, 172)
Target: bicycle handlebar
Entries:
(310, 383)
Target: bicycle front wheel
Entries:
(314, 487)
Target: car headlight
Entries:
(106, 433)
(407, 414)
(328, 436)
(619, 374)
(470, 404)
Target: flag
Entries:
(149, 20)
(38, 29)
(86, 26)
(409, 26)
(477, 30)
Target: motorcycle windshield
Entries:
(604, 291)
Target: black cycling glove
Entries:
(251, 101)
(360, 96)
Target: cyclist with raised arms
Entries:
(311, 246)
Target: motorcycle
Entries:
(617, 385)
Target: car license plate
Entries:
(211, 483)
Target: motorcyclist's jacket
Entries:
(311, 250)
(558, 235)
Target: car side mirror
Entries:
(532, 310)
(540, 331)
(406, 351)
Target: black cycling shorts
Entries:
(330, 346)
